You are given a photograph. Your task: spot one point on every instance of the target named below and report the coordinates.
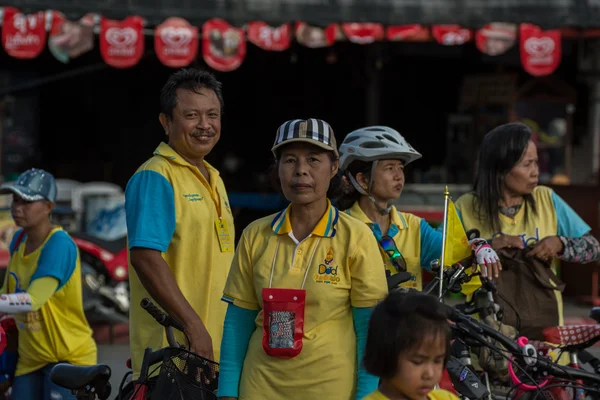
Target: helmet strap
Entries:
(361, 190)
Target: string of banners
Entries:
(223, 46)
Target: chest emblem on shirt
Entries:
(193, 197)
(327, 273)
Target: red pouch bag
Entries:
(283, 321)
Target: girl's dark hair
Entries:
(401, 322)
(500, 151)
(350, 194)
(336, 185)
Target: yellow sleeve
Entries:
(369, 285)
(40, 291)
(239, 288)
(5, 281)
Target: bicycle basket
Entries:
(186, 376)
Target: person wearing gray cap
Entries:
(42, 290)
(302, 285)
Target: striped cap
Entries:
(313, 131)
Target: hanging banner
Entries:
(496, 38)
(23, 36)
(176, 42)
(413, 33)
(223, 46)
(69, 39)
(541, 51)
(269, 38)
(122, 42)
(315, 37)
(451, 35)
(363, 33)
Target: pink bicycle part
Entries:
(522, 341)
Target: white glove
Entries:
(484, 254)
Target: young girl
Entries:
(407, 347)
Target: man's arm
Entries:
(151, 223)
(155, 275)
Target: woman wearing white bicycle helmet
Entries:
(373, 160)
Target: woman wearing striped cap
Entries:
(302, 284)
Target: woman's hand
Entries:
(547, 248)
(503, 241)
(486, 257)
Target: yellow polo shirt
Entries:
(553, 217)
(344, 270)
(416, 240)
(172, 208)
(58, 331)
(438, 394)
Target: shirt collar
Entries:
(398, 220)
(282, 225)
(166, 151)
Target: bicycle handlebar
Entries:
(165, 320)
(478, 331)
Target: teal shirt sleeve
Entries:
(150, 211)
(238, 328)
(570, 223)
(366, 383)
(58, 259)
(431, 244)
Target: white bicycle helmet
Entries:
(376, 143)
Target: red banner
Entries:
(363, 33)
(270, 38)
(496, 38)
(541, 51)
(451, 35)
(315, 37)
(223, 46)
(23, 36)
(413, 32)
(176, 42)
(122, 42)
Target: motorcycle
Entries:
(104, 273)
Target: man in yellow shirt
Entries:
(179, 223)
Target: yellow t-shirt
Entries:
(58, 331)
(344, 271)
(172, 208)
(416, 240)
(552, 217)
(438, 394)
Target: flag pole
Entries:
(444, 235)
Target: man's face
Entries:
(196, 124)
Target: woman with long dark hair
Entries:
(510, 209)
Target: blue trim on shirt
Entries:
(150, 211)
(58, 259)
(237, 330)
(570, 223)
(431, 244)
(366, 383)
(13, 242)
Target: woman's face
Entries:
(305, 172)
(523, 177)
(388, 180)
(28, 214)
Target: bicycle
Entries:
(182, 374)
(551, 375)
